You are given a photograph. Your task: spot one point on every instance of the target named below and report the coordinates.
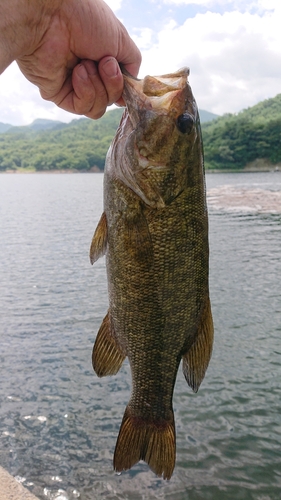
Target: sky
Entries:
(232, 47)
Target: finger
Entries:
(90, 96)
(83, 93)
(76, 95)
(107, 84)
(133, 69)
(112, 78)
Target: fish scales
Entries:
(154, 232)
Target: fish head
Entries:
(159, 137)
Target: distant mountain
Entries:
(206, 116)
(231, 141)
(38, 124)
(80, 145)
(45, 124)
(4, 127)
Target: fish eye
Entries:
(185, 123)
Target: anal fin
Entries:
(196, 360)
(107, 356)
(99, 241)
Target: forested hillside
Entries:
(230, 141)
(47, 145)
(80, 145)
(233, 141)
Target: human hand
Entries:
(71, 50)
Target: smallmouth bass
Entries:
(154, 232)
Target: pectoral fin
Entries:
(107, 355)
(99, 241)
(196, 360)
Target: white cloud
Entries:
(205, 3)
(21, 102)
(143, 38)
(235, 57)
(231, 5)
(114, 4)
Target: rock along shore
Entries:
(10, 489)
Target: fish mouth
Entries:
(165, 93)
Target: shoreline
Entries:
(207, 171)
(70, 171)
(257, 166)
(11, 489)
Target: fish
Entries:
(154, 233)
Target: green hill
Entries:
(4, 127)
(233, 141)
(44, 124)
(230, 142)
(80, 145)
(48, 145)
(206, 116)
(38, 124)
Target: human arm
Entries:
(69, 49)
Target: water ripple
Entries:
(59, 422)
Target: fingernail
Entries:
(82, 72)
(110, 67)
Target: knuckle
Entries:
(47, 96)
(82, 107)
(95, 115)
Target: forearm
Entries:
(21, 24)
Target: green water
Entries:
(59, 422)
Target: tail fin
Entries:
(151, 441)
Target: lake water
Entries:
(59, 422)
